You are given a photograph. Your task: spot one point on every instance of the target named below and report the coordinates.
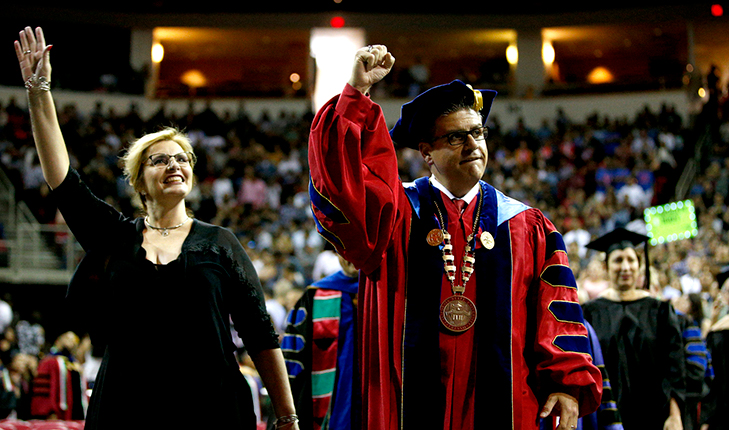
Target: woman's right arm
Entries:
(85, 214)
(35, 66)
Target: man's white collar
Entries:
(467, 198)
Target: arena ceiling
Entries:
(361, 6)
(234, 31)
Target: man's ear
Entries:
(425, 148)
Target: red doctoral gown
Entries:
(529, 339)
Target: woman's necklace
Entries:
(458, 312)
(164, 231)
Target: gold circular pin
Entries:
(487, 240)
(435, 237)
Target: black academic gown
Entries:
(643, 351)
(714, 409)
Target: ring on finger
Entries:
(26, 52)
(369, 48)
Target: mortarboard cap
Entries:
(622, 238)
(619, 238)
(418, 116)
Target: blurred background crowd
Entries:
(252, 177)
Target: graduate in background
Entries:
(640, 338)
(319, 347)
(59, 389)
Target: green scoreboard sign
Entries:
(671, 222)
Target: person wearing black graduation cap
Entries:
(714, 411)
(469, 312)
(640, 338)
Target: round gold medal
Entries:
(435, 237)
(457, 313)
(487, 240)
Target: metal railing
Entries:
(692, 167)
(31, 252)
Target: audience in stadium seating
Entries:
(588, 177)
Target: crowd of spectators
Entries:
(589, 177)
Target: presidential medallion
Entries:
(458, 313)
(435, 237)
(487, 240)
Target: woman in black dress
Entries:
(640, 338)
(163, 288)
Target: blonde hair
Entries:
(136, 156)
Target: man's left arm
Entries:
(570, 382)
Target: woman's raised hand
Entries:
(33, 55)
(35, 66)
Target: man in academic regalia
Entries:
(469, 316)
(319, 348)
(640, 338)
(59, 390)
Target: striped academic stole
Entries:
(326, 313)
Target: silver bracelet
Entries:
(286, 419)
(34, 84)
